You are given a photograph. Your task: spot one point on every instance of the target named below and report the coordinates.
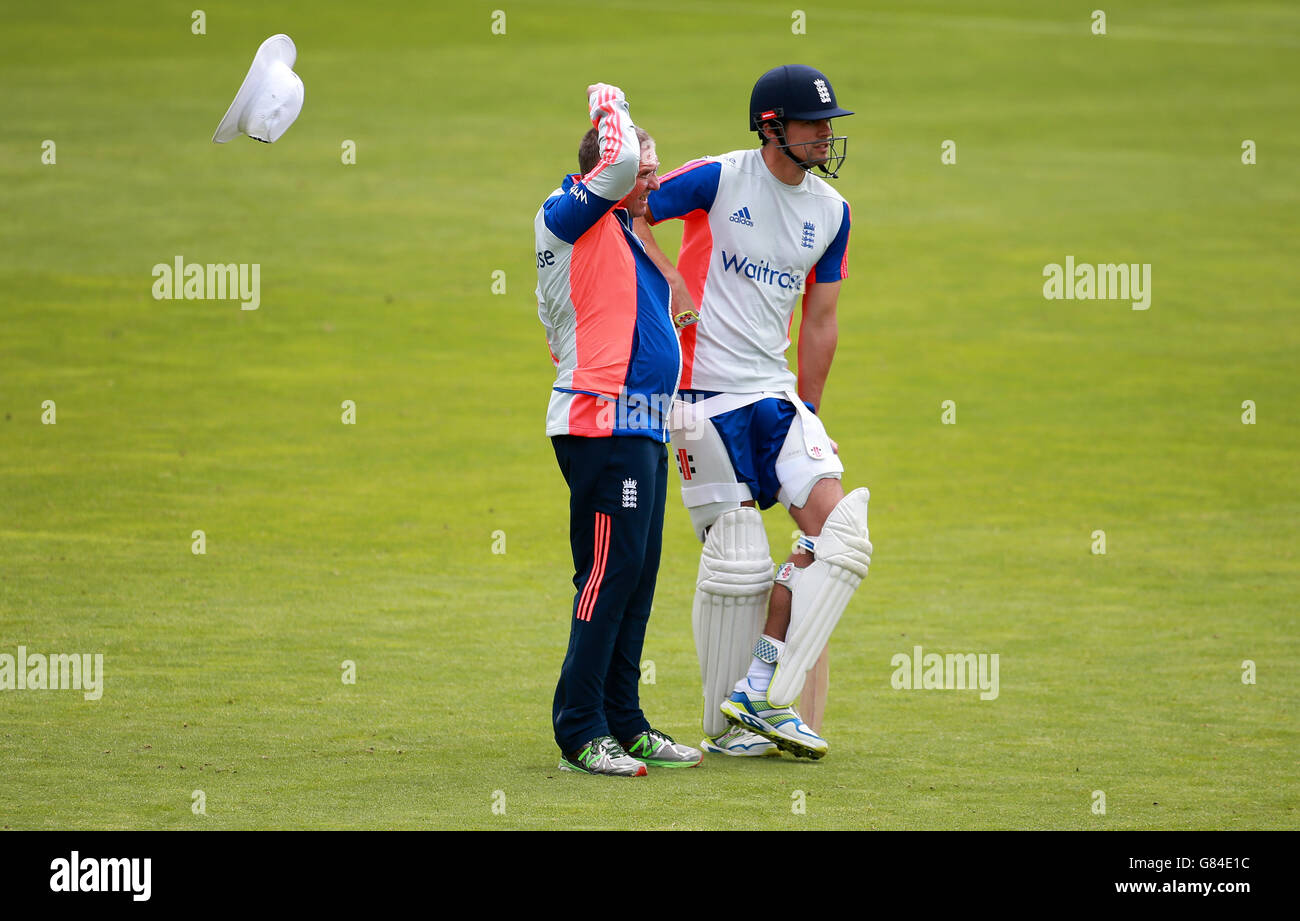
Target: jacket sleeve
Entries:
(590, 198)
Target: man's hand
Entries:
(685, 313)
(684, 318)
(600, 98)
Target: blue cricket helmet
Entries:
(793, 91)
(800, 92)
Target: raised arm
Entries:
(591, 197)
(620, 155)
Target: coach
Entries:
(605, 307)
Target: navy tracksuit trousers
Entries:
(617, 488)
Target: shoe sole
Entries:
(742, 719)
(670, 764)
(770, 752)
(575, 769)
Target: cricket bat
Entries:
(812, 702)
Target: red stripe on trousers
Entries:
(591, 590)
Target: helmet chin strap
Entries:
(779, 137)
(803, 164)
(829, 175)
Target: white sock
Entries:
(760, 673)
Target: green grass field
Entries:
(373, 542)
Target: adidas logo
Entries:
(742, 217)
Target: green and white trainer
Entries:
(654, 748)
(602, 755)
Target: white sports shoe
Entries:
(741, 743)
(603, 755)
(749, 709)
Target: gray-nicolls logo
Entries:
(629, 493)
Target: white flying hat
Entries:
(270, 97)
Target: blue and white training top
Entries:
(750, 244)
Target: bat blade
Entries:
(812, 702)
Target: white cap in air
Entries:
(270, 97)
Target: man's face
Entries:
(646, 182)
(809, 141)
